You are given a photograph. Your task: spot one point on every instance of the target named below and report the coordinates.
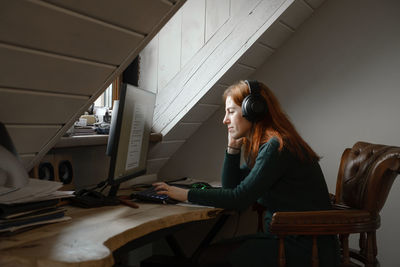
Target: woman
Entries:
(281, 173)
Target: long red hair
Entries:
(275, 124)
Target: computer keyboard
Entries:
(150, 194)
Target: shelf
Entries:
(94, 140)
(83, 140)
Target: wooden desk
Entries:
(93, 234)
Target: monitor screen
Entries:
(128, 141)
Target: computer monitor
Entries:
(128, 140)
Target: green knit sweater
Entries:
(278, 181)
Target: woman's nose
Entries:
(225, 120)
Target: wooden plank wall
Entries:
(59, 56)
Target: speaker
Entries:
(55, 167)
(254, 106)
(45, 169)
(64, 171)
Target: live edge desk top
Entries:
(90, 237)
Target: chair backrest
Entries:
(366, 174)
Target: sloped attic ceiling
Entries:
(242, 43)
(59, 56)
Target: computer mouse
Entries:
(200, 185)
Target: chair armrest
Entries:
(323, 222)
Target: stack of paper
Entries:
(35, 190)
(34, 204)
(24, 202)
(19, 217)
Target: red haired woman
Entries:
(281, 173)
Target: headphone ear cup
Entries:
(245, 108)
(254, 107)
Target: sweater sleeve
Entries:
(266, 171)
(231, 172)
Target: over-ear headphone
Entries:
(254, 106)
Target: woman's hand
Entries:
(174, 192)
(235, 143)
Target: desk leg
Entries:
(210, 236)
(120, 254)
(174, 245)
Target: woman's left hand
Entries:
(173, 192)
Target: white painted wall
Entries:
(203, 153)
(338, 79)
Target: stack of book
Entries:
(84, 130)
(15, 218)
(35, 204)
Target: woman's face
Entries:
(238, 126)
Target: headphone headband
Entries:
(254, 86)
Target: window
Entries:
(106, 99)
(109, 95)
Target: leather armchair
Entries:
(365, 177)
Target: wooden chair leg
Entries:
(345, 248)
(370, 249)
(281, 256)
(362, 244)
(314, 257)
(374, 244)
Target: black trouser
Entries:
(262, 250)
